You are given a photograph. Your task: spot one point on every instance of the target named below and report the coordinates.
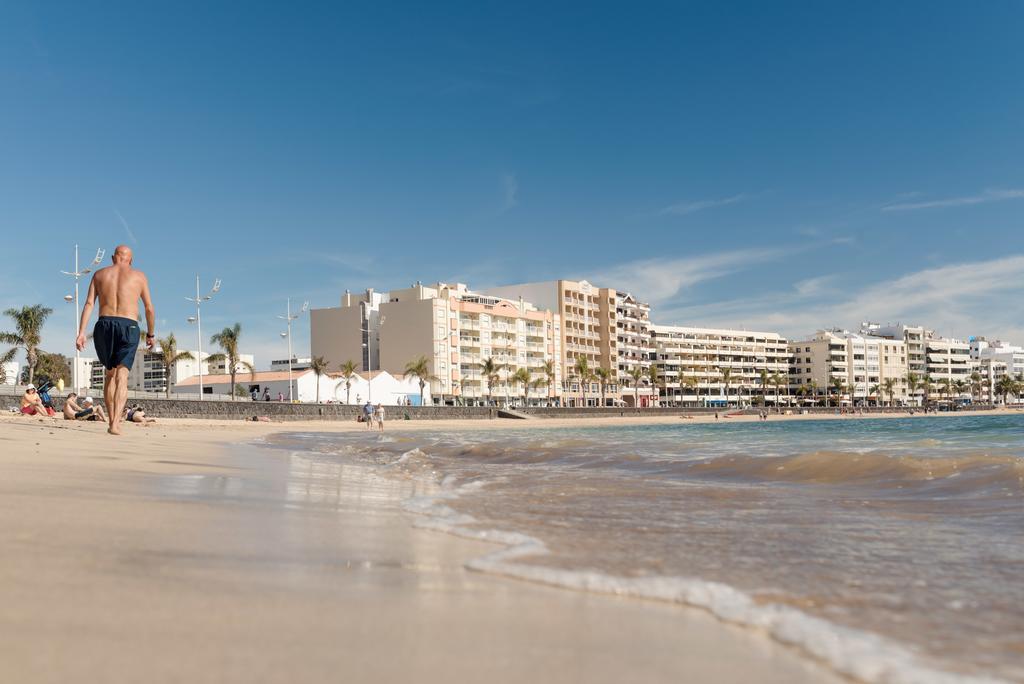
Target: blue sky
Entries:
(780, 166)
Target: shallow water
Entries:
(893, 549)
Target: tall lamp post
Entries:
(77, 274)
(288, 318)
(198, 320)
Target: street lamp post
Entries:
(198, 320)
(77, 274)
(288, 318)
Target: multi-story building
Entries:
(861, 363)
(589, 331)
(948, 364)
(635, 349)
(990, 372)
(692, 365)
(10, 374)
(456, 330)
(1010, 354)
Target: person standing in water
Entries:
(116, 334)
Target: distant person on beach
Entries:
(135, 414)
(97, 411)
(266, 394)
(116, 334)
(378, 413)
(280, 396)
(255, 394)
(32, 404)
(368, 415)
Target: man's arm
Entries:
(150, 313)
(90, 299)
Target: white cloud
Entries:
(683, 208)
(660, 280)
(984, 197)
(973, 298)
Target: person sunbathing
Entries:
(73, 411)
(32, 404)
(135, 414)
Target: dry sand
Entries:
(180, 552)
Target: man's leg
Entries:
(120, 399)
(109, 391)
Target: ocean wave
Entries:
(863, 656)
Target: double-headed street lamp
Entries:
(77, 274)
(288, 318)
(198, 320)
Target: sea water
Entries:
(891, 549)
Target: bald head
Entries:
(122, 255)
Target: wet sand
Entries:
(179, 552)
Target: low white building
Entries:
(11, 370)
(380, 387)
(148, 375)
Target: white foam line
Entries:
(854, 653)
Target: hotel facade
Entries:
(860, 364)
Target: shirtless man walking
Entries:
(116, 334)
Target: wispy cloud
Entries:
(127, 229)
(510, 192)
(990, 195)
(683, 208)
(661, 280)
(956, 299)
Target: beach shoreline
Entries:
(183, 551)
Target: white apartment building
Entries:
(589, 331)
(1009, 354)
(991, 371)
(147, 373)
(948, 362)
(457, 330)
(90, 372)
(862, 363)
(635, 349)
(11, 370)
(690, 363)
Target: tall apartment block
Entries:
(861, 362)
(589, 331)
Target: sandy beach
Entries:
(180, 553)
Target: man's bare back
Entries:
(116, 335)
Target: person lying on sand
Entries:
(260, 419)
(134, 414)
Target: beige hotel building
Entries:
(859, 361)
(455, 328)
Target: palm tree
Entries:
(419, 368)
(549, 377)
(690, 382)
(777, 381)
(228, 341)
(1006, 386)
(348, 371)
(802, 391)
(5, 359)
(490, 370)
(28, 321)
(584, 374)
(926, 385)
(945, 388)
(763, 375)
(913, 384)
(319, 366)
(169, 357)
(652, 378)
(635, 375)
(603, 376)
(812, 387)
(726, 374)
(975, 386)
(838, 386)
(522, 376)
(889, 387)
(876, 392)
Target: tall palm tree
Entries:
(170, 357)
(228, 339)
(976, 386)
(960, 387)
(635, 375)
(763, 376)
(348, 372)
(652, 377)
(889, 387)
(927, 386)
(522, 376)
(913, 384)
(584, 374)
(5, 359)
(778, 381)
(837, 385)
(549, 377)
(876, 392)
(28, 323)
(604, 376)
(690, 382)
(812, 388)
(419, 368)
(319, 366)
(490, 370)
(945, 388)
(1006, 386)
(726, 374)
